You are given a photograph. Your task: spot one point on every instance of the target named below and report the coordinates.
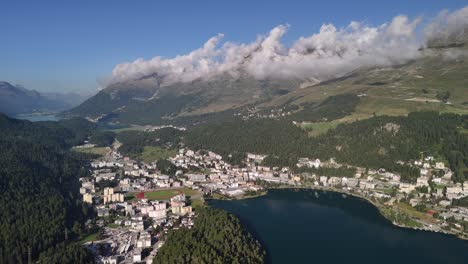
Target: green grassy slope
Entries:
(397, 90)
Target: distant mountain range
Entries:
(149, 102)
(18, 100)
(414, 86)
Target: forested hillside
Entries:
(133, 142)
(217, 237)
(381, 141)
(273, 137)
(377, 142)
(40, 206)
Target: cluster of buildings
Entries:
(131, 230)
(109, 196)
(213, 175)
(178, 206)
(434, 189)
(128, 223)
(254, 113)
(154, 128)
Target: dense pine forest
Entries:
(40, 207)
(217, 237)
(266, 136)
(382, 141)
(102, 138)
(133, 142)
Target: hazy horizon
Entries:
(80, 47)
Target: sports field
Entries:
(162, 194)
(166, 194)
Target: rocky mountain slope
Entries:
(146, 99)
(435, 81)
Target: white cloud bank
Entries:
(330, 53)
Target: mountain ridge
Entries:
(413, 85)
(16, 100)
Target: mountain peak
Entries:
(18, 100)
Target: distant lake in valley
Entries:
(308, 226)
(37, 117)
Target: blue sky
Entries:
(68, 45)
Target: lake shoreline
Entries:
(380, 207)
(377, 205)
(290, 219)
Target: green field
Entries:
(411, 211)
(398, 107)
(394, 91)
(151, 154)
(197, 203)
(90, 237)
(378, 105)
(113, 225)
(320, 128)
(96, 150)
(128, 128)
(166, 194)
(162, 194)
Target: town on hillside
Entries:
(139, 204)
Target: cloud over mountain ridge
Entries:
(330, 53)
